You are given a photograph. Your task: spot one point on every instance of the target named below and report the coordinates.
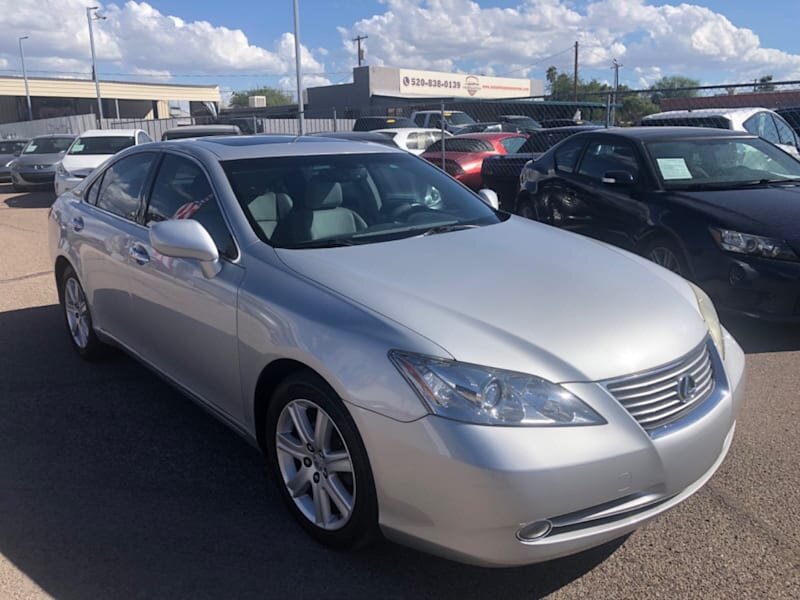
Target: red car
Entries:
(464, 154)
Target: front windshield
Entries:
(721, 162)
(100, 145)
(459, 118)
(333, 200)
(47, 145)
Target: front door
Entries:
(187, 322)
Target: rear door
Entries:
(102, 231)
(186, 323)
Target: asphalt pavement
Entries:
(113, 485)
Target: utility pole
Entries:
(301, 125)
(615, 65)
(25, 77)
(95, 17)
(575, 76)
(357, 40)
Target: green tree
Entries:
(634, 107)
(275, 97)
(765, 84)
(671, 87)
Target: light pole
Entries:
(95, 17)
(300, 120)
(25, 77)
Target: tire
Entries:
(78, 318)
(329, 490)
(526, 209)
(667, 254)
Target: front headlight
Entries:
(476, 394)
(754, 245)
(61, 170)
(710, 316)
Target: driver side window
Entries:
(602, 157)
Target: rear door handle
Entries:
(77, 224)
(139, 254)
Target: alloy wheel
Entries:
(315, 464)
(77, 311)
(666, 258)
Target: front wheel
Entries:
(320, 463)
(666, 254)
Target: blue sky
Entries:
(248, 43)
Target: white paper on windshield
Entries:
(673, 168)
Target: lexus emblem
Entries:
(686, 388)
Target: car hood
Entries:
(28, 160)
(772, 210)
(83, 165)
(521, 296)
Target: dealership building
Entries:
(55, 97)
(391, 90)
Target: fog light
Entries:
(534, 531)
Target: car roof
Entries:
(213, 127)
(408, 130)
(264, 146)
(667, 133)
(53, 135)
(110, 132)
(489, 135)
(742, 113)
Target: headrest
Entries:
(269, 206)
(321, 195)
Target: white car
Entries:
(414, 140)
(762, 122)
(90, 150)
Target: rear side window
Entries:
(512, 145)
(566, 155)
(785, 133)
(121, 189)
(182, 191)
(461, 145)
(762, 125)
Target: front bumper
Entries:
(756, 287)
(64, 183)
(463, 491)
(29, 178)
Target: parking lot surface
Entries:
(114, 485)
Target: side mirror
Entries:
(186, 238)
(618, 178)
(490, 197)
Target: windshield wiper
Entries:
(448, 227)
(335, 243)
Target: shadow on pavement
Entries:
(760, 336)
(30, 199)
(114, 485)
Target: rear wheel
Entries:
(78, 317)
(319, 460)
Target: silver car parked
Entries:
(411, 361)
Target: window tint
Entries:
(94, 190)
(461, 145)
(100, 145)
(762, 125)
(11, 147)
(122, 185)
(512, 144)
(785, 133)
(602, 157)
(46, 145)
(566, 156)
(181, 191)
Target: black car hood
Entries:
(772, 210)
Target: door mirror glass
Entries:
(490, 197)
(618, 178)
(186, 238)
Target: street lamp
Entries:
(90, 16)
(25, 77)
(300, 120)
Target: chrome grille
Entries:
(662, 395)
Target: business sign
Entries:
(435, 83)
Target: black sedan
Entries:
(719, 207)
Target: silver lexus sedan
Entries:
(411, 361)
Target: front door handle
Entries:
(139, 254)
(77, 224)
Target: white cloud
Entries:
(650, 40)
(136, 38)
